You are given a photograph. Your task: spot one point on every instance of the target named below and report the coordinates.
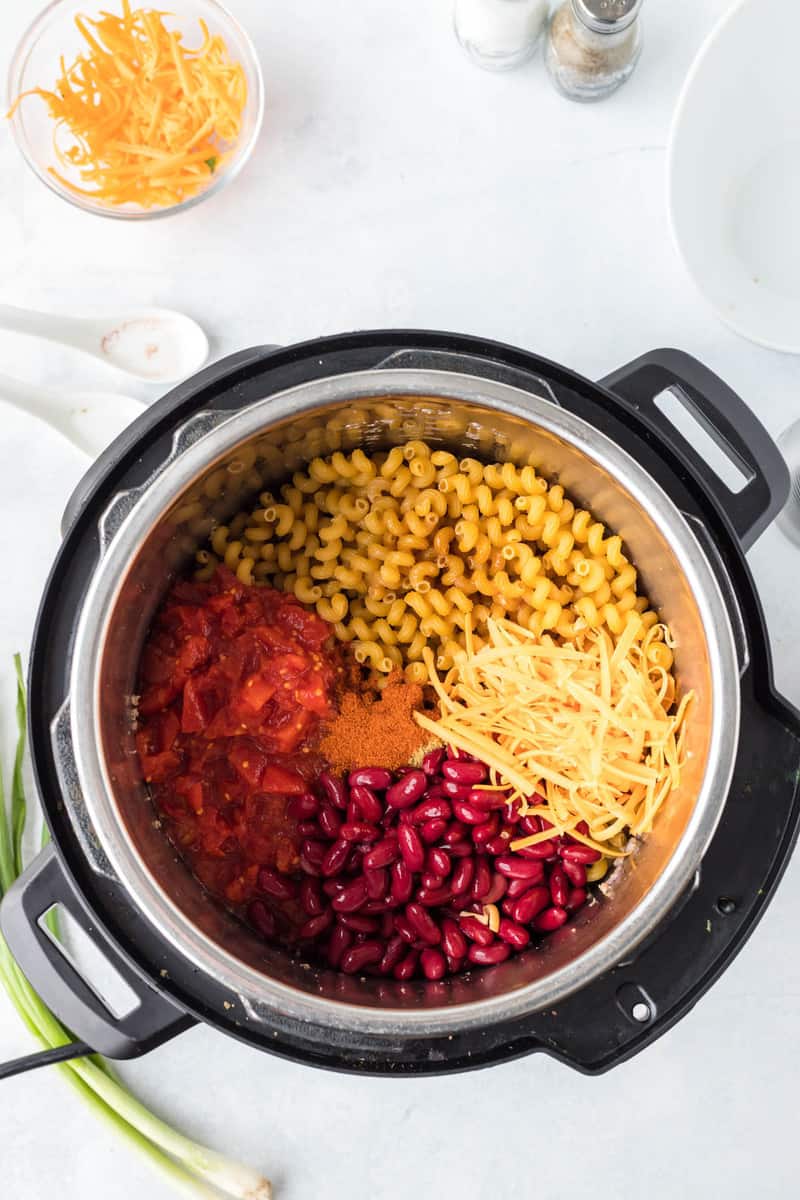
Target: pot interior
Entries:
(263, 459)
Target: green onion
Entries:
(195, 1170)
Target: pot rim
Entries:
(257, 991)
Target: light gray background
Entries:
(395, 184)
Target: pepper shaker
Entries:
(593, 46)
(499, 34)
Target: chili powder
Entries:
(369, 731)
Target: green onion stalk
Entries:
(193, 1169)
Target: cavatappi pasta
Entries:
(399, 550)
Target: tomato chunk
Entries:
(235, 681)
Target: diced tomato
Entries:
(275, 778)
(256, 692)
(234, 682)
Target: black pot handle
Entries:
(49, 970)
(726, 418)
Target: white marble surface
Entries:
(395, 184)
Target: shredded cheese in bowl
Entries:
(586, 734)
(141, 118)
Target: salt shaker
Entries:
(593, 46)
(499, 34)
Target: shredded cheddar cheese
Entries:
(578, 732)
(139, 117)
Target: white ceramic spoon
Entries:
(155, 344)
(90, 420)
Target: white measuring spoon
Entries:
(155, 344)
(90, 420)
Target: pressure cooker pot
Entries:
(668, 919)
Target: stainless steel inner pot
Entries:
(218, 464)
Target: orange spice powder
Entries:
(382, 732)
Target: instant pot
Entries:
(672, 917)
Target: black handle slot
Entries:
(753, 488)
(51, 971)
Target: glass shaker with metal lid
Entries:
(593, 46)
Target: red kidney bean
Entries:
(464, 772)
(423, 924)
(329, 820)
(470, 814)
(341, 939)
(367, 803)
(507, 906)
(411, 847)
(576, 899)
(539, 852)
(529, 905)
(461, 850)
(334, 860)
(497, 888)
(454, 965)
(281, 887)
(487, 801)
(482, 879)
(382, 853)
(580, 854)
(377, 906)
(497, 845)
(387, 924)
(352, 896)
(516, 935)
(314, 851)
(481, 834)
(574, 872)
(407, 966)
(431, 831)
(518, 887)
(456, 832)
(583, 828)
(514, 867)
(370, 777)
(433, 897)
(359, 831)
(456, 791)
(488, 956)
(432, 810)
(407, 790)
(454, 943)
(438, 862)
(462, 876)
(360, 956)
(402, 882)
(311, 900)
(433, 761)
(358, 923)
(404, 928)
(332, 887)
(476, 931)
(303, 807)
(334, 789)
(559, 887)
(307, 866)
(314, 926)
(377, 882)
(306, 829)
(530, 825)
(395, 950)
(433, 964)
(429, 882)
(550, 919)
(262, 917)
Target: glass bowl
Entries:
(53, 34)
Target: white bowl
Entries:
(734, 172)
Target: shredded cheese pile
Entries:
(578, 732)
(143, 119)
